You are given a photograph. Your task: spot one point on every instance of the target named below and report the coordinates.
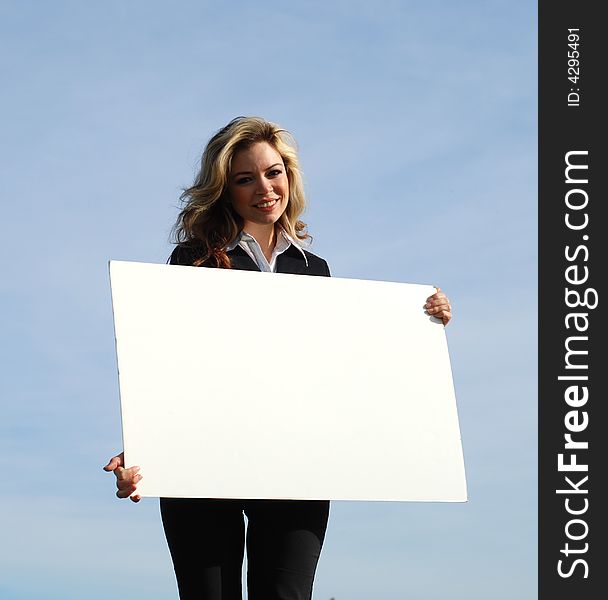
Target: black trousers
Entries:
(206, 538)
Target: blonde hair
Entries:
(207, 217)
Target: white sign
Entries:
(241, 384)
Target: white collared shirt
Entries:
(248, 243)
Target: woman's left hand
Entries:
(438, 306)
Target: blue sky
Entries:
(416, 122)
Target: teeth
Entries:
(266, 204)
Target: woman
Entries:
(243, 212)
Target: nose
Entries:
(264, 186)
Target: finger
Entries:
(435, 302)
(439, 311)
(126, 488)
(115, 462)
(438, 296)
(125, 474)
(126, 492)
(437, 306)
(123, 484)
(445, 316)
(135, 498)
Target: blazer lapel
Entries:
(240, 260)
(291, 261)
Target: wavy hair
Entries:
(207, 217)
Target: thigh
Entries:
(284, 540)
(206, 539)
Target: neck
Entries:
(264, 235)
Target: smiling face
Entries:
(258, 185)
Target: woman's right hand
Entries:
(126, 479)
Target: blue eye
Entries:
(243, 180)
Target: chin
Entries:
(271, 218)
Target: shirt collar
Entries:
(284, 240)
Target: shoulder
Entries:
(317, 264)
(186, 254)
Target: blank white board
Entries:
(241, 384)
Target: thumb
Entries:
(115, 462)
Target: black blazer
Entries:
(290, 261)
